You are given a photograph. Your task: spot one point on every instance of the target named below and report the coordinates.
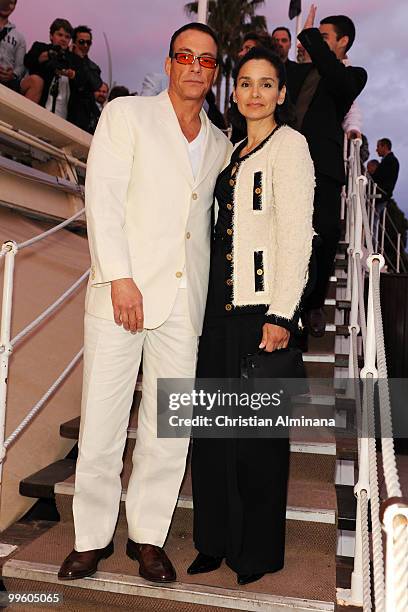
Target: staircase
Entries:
(314, 515)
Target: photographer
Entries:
(51, 68)
(82, 110)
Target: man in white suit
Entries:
(151, 172)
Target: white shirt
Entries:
(61, 107)
(195, 151)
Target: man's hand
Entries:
(68, 72)
(127, 302)
(352, 134)
(309, 23)
(43, 57)
(274, 337)
(6, 74)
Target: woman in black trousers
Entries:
(259, 261)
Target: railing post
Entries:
(398, 252)
(5, 336)
(383, 230)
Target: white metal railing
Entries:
(367, 258)
(9, 252)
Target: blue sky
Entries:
(139, 32)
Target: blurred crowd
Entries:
(57, 74)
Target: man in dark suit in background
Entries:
(386, 174)
(323, 94)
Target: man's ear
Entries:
(343, 42)
(282, 95)
(167, 65)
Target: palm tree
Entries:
(230, 19)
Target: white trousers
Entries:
(111, 363)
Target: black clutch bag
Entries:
(280, 365)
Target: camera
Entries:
(58, 57)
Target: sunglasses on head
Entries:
(84, 42)
(189, 58)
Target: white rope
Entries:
(378, 554)
(366, 552)
(361, 305)
(53, 230)
(389, 461)
(49, 310)
(37, 407)
(401, 563)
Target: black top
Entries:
(219, 302)
(47, 70)
(386, 174)
(336, 91)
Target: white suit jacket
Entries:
(148, 218)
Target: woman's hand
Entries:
(274, 337)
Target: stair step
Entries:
(307, 583)
(342, 361)
(311, 495)
(321, 445)
(41, 484)
(346, 503)
(341, 264)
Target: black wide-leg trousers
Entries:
(239, 484)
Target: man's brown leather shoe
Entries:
(83, 564)
(154, 564)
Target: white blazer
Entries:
(148, 218)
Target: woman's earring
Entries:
(234, 100)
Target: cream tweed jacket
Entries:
(272, 224)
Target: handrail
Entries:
(390, 594)
(9, 251)
(41, 402)
(48, 311)
(39, 144)
(53, 230)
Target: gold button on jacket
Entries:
(228, 307)
(179, 274)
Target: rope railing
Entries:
(40, 404)
(389, 593)
(9, 251)
(53, 230)
(48, 311)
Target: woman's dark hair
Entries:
(284, 113)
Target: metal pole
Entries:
(110, 70)
(5, 334)
(383, 230)
(398, 252)
(202, 11)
